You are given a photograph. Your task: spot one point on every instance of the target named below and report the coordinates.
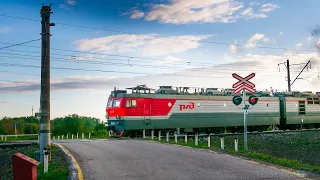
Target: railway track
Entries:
(249, 133)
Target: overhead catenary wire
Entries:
(18, 44)
(130, 64)
(127, 32)
(191, 69)
(114, 71)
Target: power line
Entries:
(123, 56)
(192, 69)
(121, 64)
(10, 72)
(128, 61)
(127, 32)
(124, 72)
(21, 43)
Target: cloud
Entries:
(148, 44)
(5, 29)
(250, 14)
(299, 44)
(250, 44)
(136, 14)
(254, 39)
(232, 48)
(265, 67)
(71, 2)
(63, 6)
(253, 3)
(268, 7)
(83, 57)
(317, 45)
(66, 83)
(315, 31)
(67, 4)
(204, 11)
(3, 102)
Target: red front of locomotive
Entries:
(115, 113)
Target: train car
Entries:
(205, 111)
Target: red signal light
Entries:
(253, 100)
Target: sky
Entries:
(98, 45)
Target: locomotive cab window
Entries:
(116, 103)
(109, 103)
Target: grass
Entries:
(298, 150)
(58, 167)
(19, 138)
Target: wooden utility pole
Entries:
(45, 82)
(288, 73)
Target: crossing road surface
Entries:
(142, 160)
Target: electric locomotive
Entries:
(207, 110)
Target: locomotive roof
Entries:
(201, 93)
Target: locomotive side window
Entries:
(131, 103)
(316, 100)
(310, 100)
(134, 103)
(116, 103)
(302, 108)
(128, 103)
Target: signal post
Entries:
(242, 85)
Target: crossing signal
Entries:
(237, 100)
(253, 100)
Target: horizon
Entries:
(96, 46)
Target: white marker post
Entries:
(236, 144)
(45, 160)
(152, 134)
(144, 133)
(176, 137)
(15, 130)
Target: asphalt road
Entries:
(139, 160)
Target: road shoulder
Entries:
(74, 167)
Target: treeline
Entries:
(63, 125)
(73, 124)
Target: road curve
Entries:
(139, 160)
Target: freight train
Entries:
(207, 110)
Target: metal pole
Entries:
(288, 72)
(45, 81)
(245, 120)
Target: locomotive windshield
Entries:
(116, 103)
(109, 103)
